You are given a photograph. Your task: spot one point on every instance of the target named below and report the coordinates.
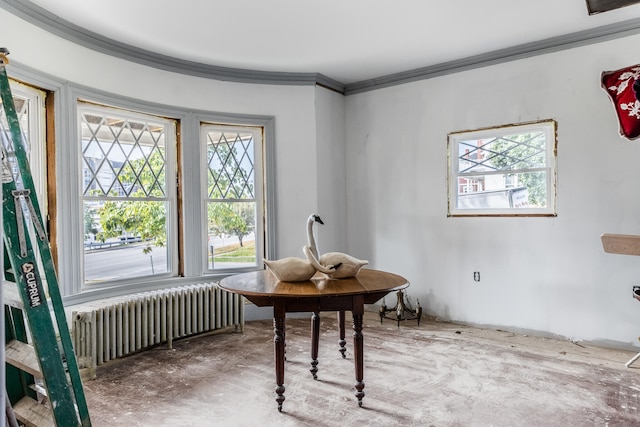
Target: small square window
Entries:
(503, 171)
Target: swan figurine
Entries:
(293, 269)
(311, 241)
(344, 265)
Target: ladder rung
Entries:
(8, 274)
(23, 356)
(32, 413)
(42, 392)
(11, 295)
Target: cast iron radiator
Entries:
(124, 325)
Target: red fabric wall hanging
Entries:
(619, 86)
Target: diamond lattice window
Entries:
(129, 203)
(21, 104)
(122, 156)
(230, 165)
(233, 196)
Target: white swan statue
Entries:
(311, 241)
(293, 269)
(345, 265)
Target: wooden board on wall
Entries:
(624, 244)
(599, 6)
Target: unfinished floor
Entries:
(435, 374)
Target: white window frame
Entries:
(549, 127)
(171, 143)
(260, 179)
(36, 137)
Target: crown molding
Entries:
(550, 45)
(44, 19)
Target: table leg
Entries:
(341, 343)
(358, 340)
(315, 338)
(278, 341)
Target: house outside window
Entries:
(503, 171)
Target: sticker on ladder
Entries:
(32, 281)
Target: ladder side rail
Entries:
(44, 248)
(38, 314)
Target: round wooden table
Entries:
(316, 295)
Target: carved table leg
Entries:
(278, 341)
(358, 340)
(341, 343)
(315, 338)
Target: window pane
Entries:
(230, 168)
(512, 152)
(231, 197)
(126, 199)
(231, 242)
(516, 191)
(506, 170)
(22, 105)
(122, 157)
(129, 253)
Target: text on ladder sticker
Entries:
(31, 280)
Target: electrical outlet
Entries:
(476, 276)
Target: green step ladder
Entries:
(43, 383)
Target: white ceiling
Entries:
(346, 40)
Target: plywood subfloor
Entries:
(435, 374)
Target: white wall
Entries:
(543, 274)
(331, 169)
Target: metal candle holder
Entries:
(402, 310)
